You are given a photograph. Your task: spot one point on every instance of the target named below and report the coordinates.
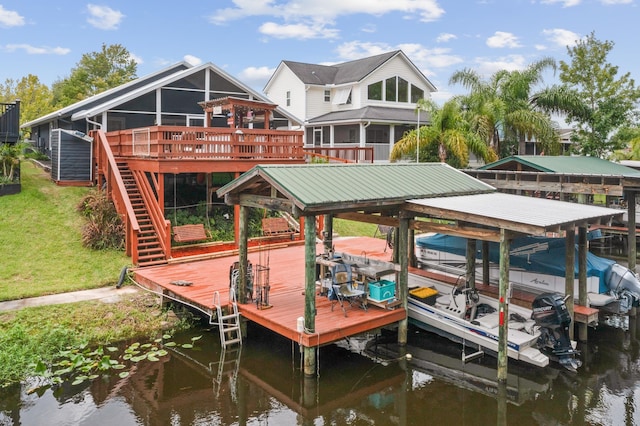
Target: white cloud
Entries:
(487, 67)
(609, 2)
(10, 18)
(565, 3)
(103, 17)
(32, 50)
(369, 28)
(503, 39)
(540, 47)
(298, 31)
(193, 60)
(256, 76)
(560, 37)
(137, 59)
(423, 57)
(445, 37)
(327, 10)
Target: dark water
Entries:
(263, 385)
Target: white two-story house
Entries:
(368, 102)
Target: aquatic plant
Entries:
(81, 363)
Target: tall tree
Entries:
(95, 73)
(447, 138)
(507, 110)
(609, 100)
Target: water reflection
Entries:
(361, 382)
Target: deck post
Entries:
(328, 233)
(570, 272)
(413, 261)
(505, 247)
(403, 280)
(630, 196)
(470, 276)
(310, 292)
(582, 278)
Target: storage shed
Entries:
(71, 153)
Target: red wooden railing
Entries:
(109, 174)
(346, 154)
(148, 189)
(210, 143)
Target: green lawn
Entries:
(40, 242)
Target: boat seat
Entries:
(488, 321)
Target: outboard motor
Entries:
(624, 284)
(551, 315)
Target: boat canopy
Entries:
(540, 254)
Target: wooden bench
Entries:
(274, 226)
(189, 233)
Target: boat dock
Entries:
(286, 302)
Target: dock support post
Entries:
(485, 262)
(403, 279)
(310, 292)
(243, 257)
(570, 272)
(470, 276)
(631, 226)
(582, 278)
(505, 247)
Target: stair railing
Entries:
(161, 225)
(106, 164)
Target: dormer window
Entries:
(327, 95)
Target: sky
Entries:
(249, 38)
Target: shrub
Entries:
(104, 228)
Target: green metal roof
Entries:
(336, 186)
(562, 164)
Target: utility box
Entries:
(382, 290)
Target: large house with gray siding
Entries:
(368, 102)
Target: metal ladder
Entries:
(229, 324)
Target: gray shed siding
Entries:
(70, 157)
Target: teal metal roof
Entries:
(340, 186)
(562, 164)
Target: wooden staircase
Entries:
(150, 251)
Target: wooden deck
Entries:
(286, 297)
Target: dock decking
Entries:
(286, 296)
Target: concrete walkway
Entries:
(104, 294)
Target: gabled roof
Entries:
(373, 113)
(109, 94)
(562, 165)
(346, 72)
(112, 98)
(342, 187)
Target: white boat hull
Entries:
(483, 332)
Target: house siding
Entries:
(70, 158)
(396, 67)
(287, 81)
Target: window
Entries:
(403, 90)
(342, 96)
(390, 90)
(288, 98)
(416, 94)
(375, 91)
(327, 95)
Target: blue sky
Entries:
(249, 38)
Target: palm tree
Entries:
(448, 138)
(506, 112)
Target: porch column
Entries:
(332, 135)
(310, 293)
(570, 271)
(485, 263)
(403, 278)
(236, 218)
(505, 246)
